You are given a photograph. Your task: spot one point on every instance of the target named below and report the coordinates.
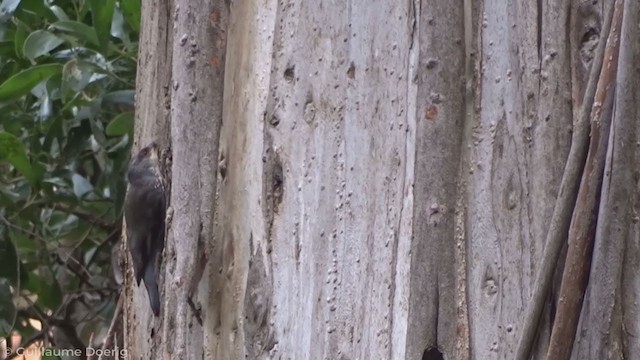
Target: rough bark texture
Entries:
(152, 123)
(581, 236)
(519, 146)
(440, 119)
(610, 311)
(340, 185)
(179, 104)
(383, 179)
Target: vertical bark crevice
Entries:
(243, 269)
(259, 337)
(433, 314)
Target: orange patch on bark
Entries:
(431, 112)
(214, 17)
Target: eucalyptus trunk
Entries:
(376, 179)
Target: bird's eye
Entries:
(144, 152)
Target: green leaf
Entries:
(118, 28)
(102, 15)
(24, 245)
(81, 186)
(125, 97)
(54, 132)
(54, 85)
(7, 308)
(6, 48)
(120, 125)
(97, 129)
(131, 11)
(46, 107)
(22, 30)
(42, 283)
(59, 13)
(40, 42)
(12, 150)
(34, 12)
(13, 122)
(79, 30)
(21, 83)
(76, 74)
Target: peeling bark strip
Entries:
(583, 225)
(342, 125)
(434, 322)
(198, 68)
(153, 121)
(611, 299)
(179, 101)
(564, 205)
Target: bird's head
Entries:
(148, 153)
(145, 164)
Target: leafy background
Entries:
(67, 78)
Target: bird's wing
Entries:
(156, 213)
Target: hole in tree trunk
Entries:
(432, 353)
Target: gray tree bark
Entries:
(375, 179)
(610, 316)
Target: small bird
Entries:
(144, 212)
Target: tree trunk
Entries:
(375, 180)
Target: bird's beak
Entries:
(154, 150)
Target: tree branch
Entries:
(563, 210)
(89, 218)
(111, 333)
(583, 227)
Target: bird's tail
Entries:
(151, 284)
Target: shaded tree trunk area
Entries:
(377, 179)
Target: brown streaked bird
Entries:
(144, 212)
